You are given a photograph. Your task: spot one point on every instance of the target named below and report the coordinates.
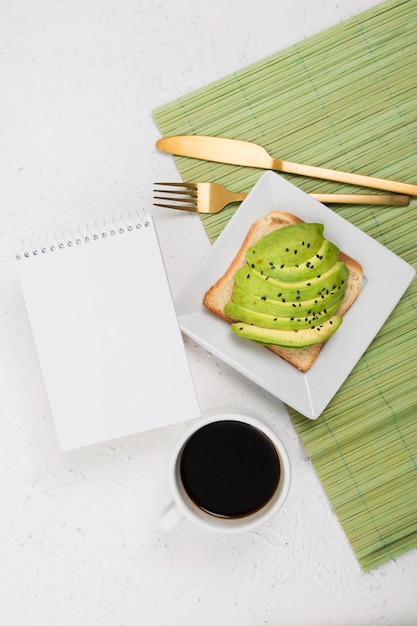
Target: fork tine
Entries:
(188, 185)
(175, 192)
(179, 188)
(181, 207)
(189, 190)
(183, 199)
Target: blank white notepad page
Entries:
(107, 335)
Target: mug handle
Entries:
(171, 516)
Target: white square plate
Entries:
(386, 277)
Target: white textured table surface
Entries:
(79, 537)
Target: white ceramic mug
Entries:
(184, 507)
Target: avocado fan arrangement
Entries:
(290, 289)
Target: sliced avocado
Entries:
(288, 338)
(288, 245)
(237, 312)
(316, 265)
(283, 308)
(261, 285)
(291, 288)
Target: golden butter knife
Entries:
(238, 152)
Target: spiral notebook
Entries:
(106, 332)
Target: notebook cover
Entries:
(106, 332)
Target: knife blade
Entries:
(248, 154)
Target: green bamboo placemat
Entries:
(344, 99)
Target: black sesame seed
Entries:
(295, 251)
(253, 265)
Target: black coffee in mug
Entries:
(229, 469)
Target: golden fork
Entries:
(212, 197)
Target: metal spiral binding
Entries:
(112, 229)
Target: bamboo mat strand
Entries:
(342, 99)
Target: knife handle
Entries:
(394, 199)
(346, 177)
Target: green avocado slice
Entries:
(260, 285)
(237, 312)
(283, 308)
(288, 245)
(326, 256)
(289, 338)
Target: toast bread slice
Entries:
(220, 293)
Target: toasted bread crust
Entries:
(220, 293)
